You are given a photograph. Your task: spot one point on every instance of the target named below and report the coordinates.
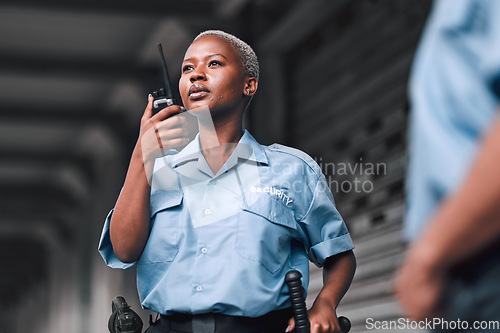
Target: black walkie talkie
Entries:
(164, 96)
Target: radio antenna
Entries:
(168, 88)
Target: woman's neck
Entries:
(218, 139)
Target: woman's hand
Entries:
(322, 317)
(337, 276)
(159, 133)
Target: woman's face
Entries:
(212, 76)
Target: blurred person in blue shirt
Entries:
(452, 267)
(214, 228)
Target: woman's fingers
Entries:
(168, 134)
(174, 121)
(178, 142)
(167, 112)
(165, 118)
(172, 132)
(163, 136)
(149, 119)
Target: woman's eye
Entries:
(214, 63)
(186, 68)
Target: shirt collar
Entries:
(248, 149)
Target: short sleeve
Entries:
(326, 232)
(106, 248)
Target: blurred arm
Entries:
(470, 219)
(467, 222)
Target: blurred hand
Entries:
(419, 286)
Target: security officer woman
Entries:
(214, 228)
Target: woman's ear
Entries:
(251, 85)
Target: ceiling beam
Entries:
(118, 124)
(297, 25)
(55, 115)
(97, 69)
(38, 191)
(50, 208)
(151, 8)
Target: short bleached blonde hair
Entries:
(248, 56)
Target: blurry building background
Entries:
(74, 78)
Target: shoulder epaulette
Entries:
(297, 153)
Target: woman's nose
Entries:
(197, 76)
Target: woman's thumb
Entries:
(148, 113)
(291, 325)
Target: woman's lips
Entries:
(197, 91)
(198, 95)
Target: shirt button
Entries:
(208, 211)
(204, 250)
(212, 182)
(199, 288)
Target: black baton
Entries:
(302, 324)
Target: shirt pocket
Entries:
(163, 241)
(264, 233)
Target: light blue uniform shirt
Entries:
(454, 92)
(223, 243)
